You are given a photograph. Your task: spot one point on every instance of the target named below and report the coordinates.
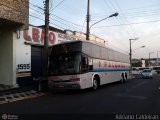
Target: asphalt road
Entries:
(136, 96)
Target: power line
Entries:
(44, 20)
(54, 20)
(124, 16)
(118, 21)
(36, 17)
(142, 7)
(40, 8)
(58, 4)
(144, 12)
(115, 10)
(65, 20)
(63, 23)
(71, 11)
(54, 15)
(129, 23)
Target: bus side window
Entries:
(85, 65)
(90, 62)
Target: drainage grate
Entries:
(13, 96)
(16, 96)
(9, 97)
(2, 99)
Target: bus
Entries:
(82, 64)
(155, 69)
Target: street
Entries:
(136, 96)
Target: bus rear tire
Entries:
(122, 78)
(126, 77)
(95, 84)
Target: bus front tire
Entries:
(95, 84)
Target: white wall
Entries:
(23, 53)
(8, 58)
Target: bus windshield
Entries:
(65, 64)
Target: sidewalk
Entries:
(4, 87)
(10, 89)
(7, 88)
(9, 94)
(19, 93)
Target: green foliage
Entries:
(137, 64)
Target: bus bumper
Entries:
(63, 85)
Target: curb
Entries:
(10, 97)
(17, 89)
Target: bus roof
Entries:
(89, 48)
(84, 41)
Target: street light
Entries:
(88, 28)
(113, 15)
(138, 48)
(130, 54)
(149, 58)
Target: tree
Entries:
(137, 64)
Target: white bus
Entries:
(82, 64)
(155, 69)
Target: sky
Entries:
(136, 19)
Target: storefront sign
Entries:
(36, 36)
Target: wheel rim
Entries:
(95, 85)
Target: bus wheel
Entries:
(95, 84)
(122, 78)
(126, 77)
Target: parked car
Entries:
(156, 69)
(147, 73)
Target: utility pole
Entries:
(88, 19)
(157, 58)
(45, 49)
(46, 37)
(150, 59)
(130, 54)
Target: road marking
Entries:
(10, 97)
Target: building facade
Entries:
(14, 15)
(92, 38)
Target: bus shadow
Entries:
(70, 91)
(83, 91)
